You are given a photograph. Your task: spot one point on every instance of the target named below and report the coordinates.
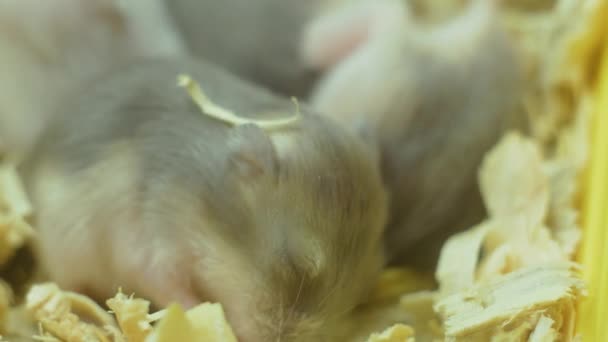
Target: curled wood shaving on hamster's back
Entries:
(209, 108)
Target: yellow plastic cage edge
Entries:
(594, 250)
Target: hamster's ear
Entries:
(251, 153)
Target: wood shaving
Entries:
(573, 34)
(424, 320)
(517, 299)
(6, 298)
(132, 315)
(516, 231)
(66, 316)
(396, 333)
(544, 331)
(15, 208)
(564, 172)
(530, 188)
(209, 108)
(53, 309)
(462, 249)
(498, 279)
(205, 322)
(209, 321)
(520, 159)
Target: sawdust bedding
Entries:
(509, 278)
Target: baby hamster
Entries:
(434, 100)
(134, 186)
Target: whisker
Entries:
(327, 296)
(293, 307)
(299, 291)
(281, 319)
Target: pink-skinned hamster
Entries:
(50, 48)
(434, 99)
(256, 39)
(134, 186)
